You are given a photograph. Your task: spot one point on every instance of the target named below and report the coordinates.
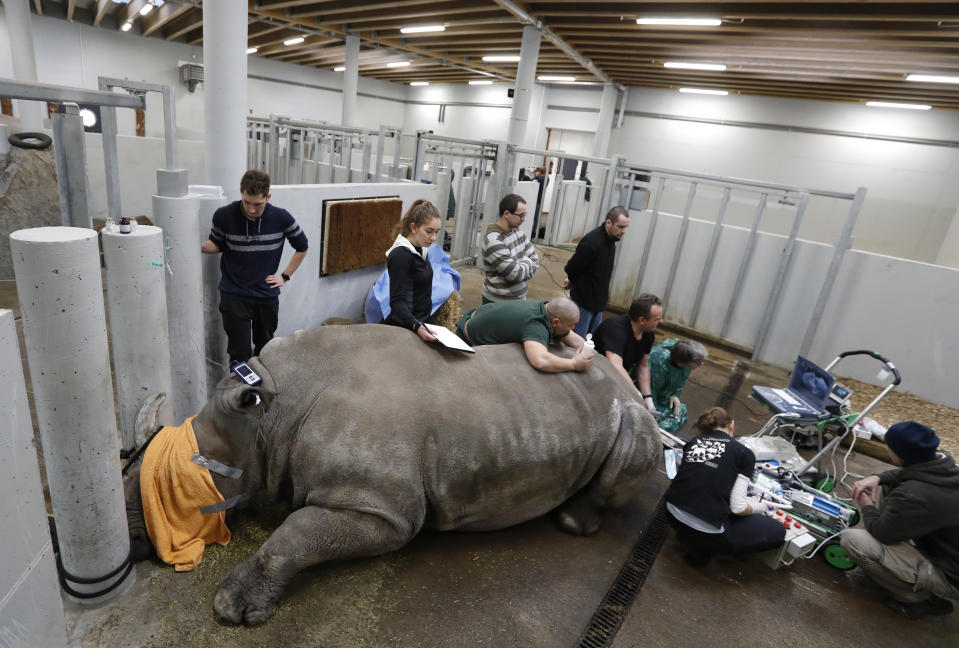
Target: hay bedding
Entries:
(900, 406)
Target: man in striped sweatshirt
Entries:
(509, 258)
(250, 233)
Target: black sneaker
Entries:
(932, 606)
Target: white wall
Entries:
(905, 310)
(471, 122)
(912, 194)
(310, 299)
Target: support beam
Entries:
(24, 60)
(351, 81)
(604, 125)
(100, 10)
(224, 96)
(525, 74)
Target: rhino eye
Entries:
(250, 398)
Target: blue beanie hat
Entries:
(912, 442)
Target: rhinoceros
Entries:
(373, 435)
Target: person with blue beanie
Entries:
(910, 541)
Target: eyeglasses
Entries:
(523, 215)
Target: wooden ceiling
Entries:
(831, 50)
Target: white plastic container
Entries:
(589, 347)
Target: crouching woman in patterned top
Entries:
(707, 504)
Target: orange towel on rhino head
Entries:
(173, 490)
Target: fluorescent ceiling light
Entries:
(398, 64)
(704, 91)
(932, 78)
(339, 68)
(147, 8)
(553, 77)
(127, 26)
(480, 82)
(715, 67)
(422, 29)
(502, 58)
(687, 22)
(886, 104)
(251, 50)
(294, 41)
(419, 83)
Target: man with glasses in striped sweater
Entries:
(509, 259)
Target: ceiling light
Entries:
(89, 117)
(147, 8)
(251, 50)
(685, 22)
(932, 78)
(502, 58)
(886, 104)
(715, 67)
(552, 77)
(294, 41)
(704, 91)
(398, 64)
(480, 82)
(419, 83)
(422, 29)
(339, 68)
(126, 26)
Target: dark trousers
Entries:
(243, 321)
(743, 535)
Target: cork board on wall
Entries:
(357, 233)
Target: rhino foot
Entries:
(246, 596)
(580, 517)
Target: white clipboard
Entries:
(449, 339)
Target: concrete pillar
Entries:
(178, 216)
(949, 250)
(224, 94)
(217, 361)
(351, 76)
(61, 298)
(71, 156)
(32, 611)
(4, 141)
(136, 292)
(604, 125)
(525, 78)
(24, 61)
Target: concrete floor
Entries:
(530, 585)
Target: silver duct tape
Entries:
(226, 504)
(215, 466)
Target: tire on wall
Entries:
(30, 140)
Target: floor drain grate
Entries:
(619, 598)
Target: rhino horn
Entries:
(147, 419)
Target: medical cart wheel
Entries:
(826, 484)
(835, 556)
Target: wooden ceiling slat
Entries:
(162, 16)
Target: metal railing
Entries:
(295, 151)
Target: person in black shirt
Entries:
(627, 339)
(411, 275)
(706, 502)
(250, 233)
(590, 268)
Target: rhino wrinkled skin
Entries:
(375, 435)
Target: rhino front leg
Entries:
(251, 593)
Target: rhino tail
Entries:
(148, 418)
